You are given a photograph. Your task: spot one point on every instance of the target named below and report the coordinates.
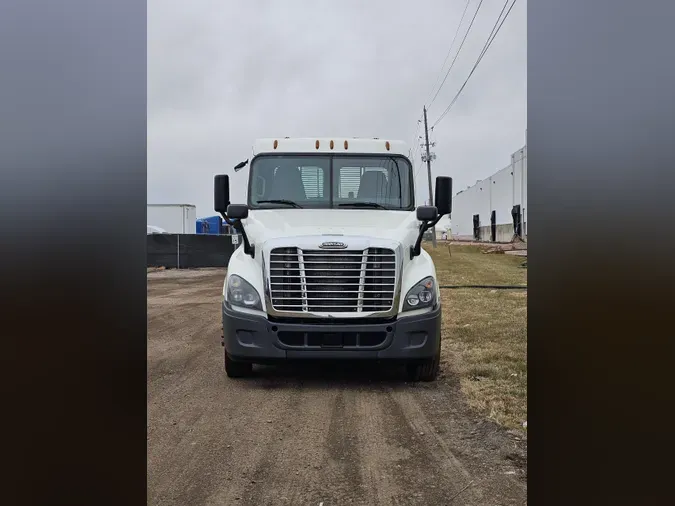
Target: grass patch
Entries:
(485, 331)
(467, 265)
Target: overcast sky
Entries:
(221, 74)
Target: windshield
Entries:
(330, 181)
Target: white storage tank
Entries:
(173, 218)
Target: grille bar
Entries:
(332, 281)
(331, 306)
(311, 269)
(356, 276)
(362, 281)
(328, 284)
(325, 298)
(325, 253)
(303, 278)
(378, 262)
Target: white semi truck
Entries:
(331, 264)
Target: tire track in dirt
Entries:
(227, 437)
(310, 460)
(274, 472)
(247, 434)
(483, 448)
(380, 455)
(343, 451)
(453, 478)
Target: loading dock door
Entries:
(517, 221)
(493, 226)
(476, 227)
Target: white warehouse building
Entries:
(494, 209)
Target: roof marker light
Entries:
(332, 144)
(346, 145)
(276, 143)
(317, 144)
(387, 145)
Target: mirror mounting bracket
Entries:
(416, 250)
(249, 249)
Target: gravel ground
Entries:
(346, 434)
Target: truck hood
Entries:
(262, 225)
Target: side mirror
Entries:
(237, 211)
(443, 197)
(427, 213)
(221, 193)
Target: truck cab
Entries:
(331, 264)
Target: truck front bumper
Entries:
(254, 338)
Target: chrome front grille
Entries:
(320, 281)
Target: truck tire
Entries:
(425, 370)
(235, 369)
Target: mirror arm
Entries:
(238, 225)
(416, 250)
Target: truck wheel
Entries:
(235, 369)
(425, 370)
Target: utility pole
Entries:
(428, 160)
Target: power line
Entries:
(480, 57)
(416, 146)
(487, 41)
(415, 143)
(458, 51)
(428, 160)
(466, 7)
(418, 166)
(418, 163)
(414, 153)
(452, 44)
(415, 138)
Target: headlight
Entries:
(241, 293)
(421, 296)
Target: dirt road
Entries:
(305, 435)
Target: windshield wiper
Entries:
(281, 201)
(362, 204)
